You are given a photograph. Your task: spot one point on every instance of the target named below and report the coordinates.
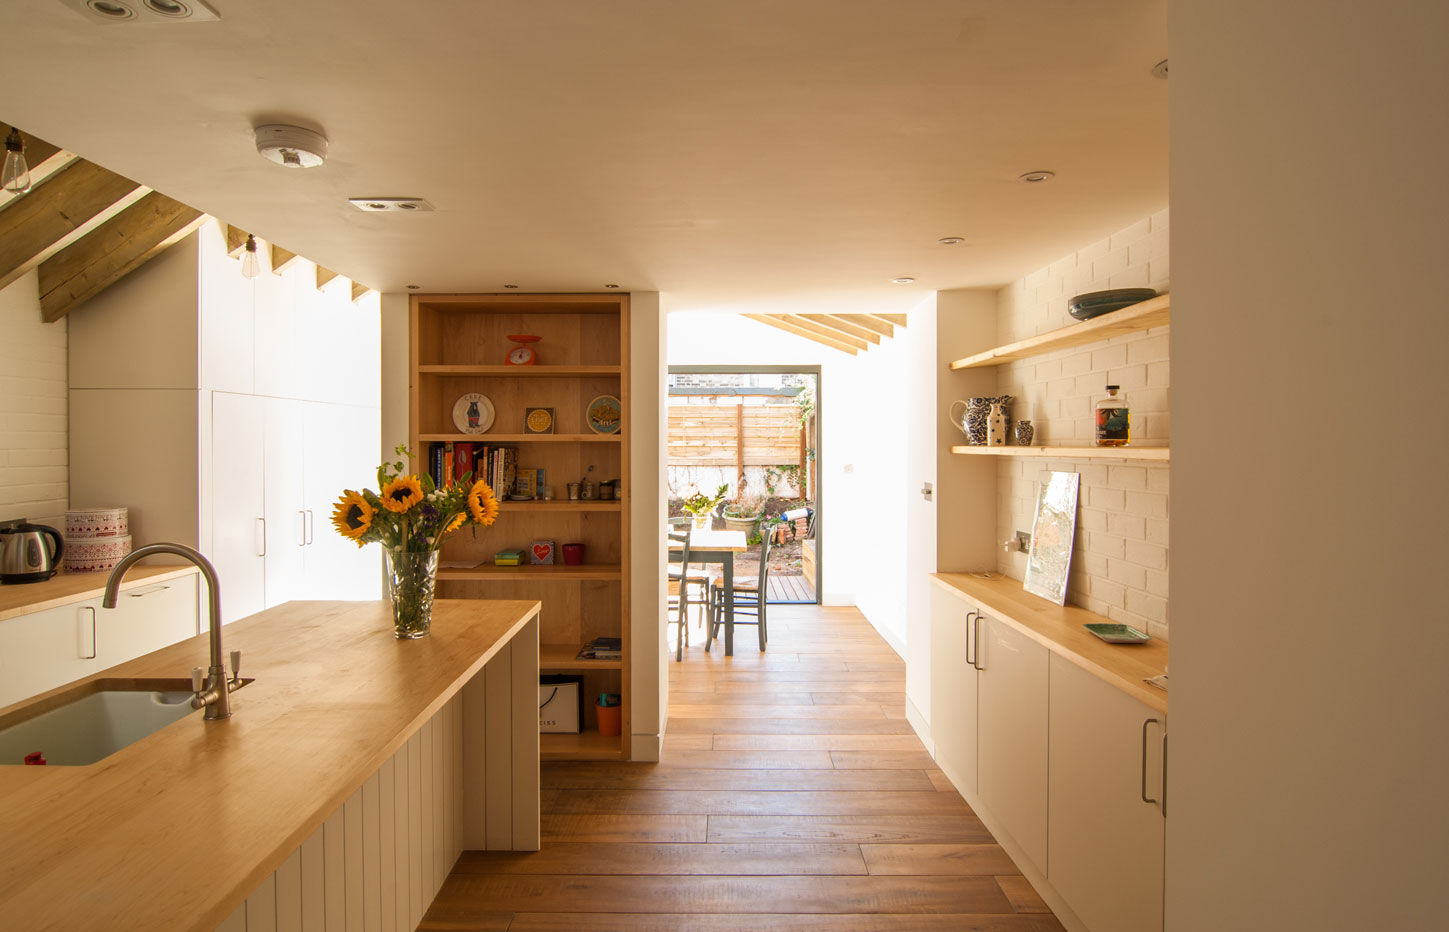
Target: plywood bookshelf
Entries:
(458, 344)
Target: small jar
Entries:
(1113, 422)
(996, 426)
(1024, 433)
(573, 488)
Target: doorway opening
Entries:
(753, 430)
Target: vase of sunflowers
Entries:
(410, 517)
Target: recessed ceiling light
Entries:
(413, 287)
(611, 286)
(143, 12)
(951, 240)
(1159, 70)
(510, 286)
(1036, 177)
(291, 146)
(904, 280)
(378, 205)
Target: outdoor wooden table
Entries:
(718, 547)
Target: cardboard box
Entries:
(560, 703)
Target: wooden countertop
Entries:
(176, 830)
(1059, 629)
(64, 588)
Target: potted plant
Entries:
(700, 505)
(744, 513)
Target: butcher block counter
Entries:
(178, 830)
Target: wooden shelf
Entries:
(522, 438)
(1142, 316)
(563, 507)
(557, 573)
(1155, 454)
(521, 372)
(563, 657)
(589, 745)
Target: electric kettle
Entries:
(25, 555)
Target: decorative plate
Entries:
(605, 415)
(1094, 303)
(473, 413)
(538, 420)
(1118, 634)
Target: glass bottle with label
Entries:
(1112, 419)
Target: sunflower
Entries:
(482, 506)
(456, 523)
(402, 493)
(352, 516)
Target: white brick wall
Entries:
(34, 474)
(1119, 563)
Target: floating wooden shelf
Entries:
(1143, 316)
(563, 657)
(589, 745)
(522, 438)
(555, 573)
(521, 372)
(1157, 454)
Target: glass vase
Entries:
(411, 579)
(702, 522)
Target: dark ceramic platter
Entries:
(1094, 303)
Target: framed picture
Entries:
(538, 420)
(540, 553)
(1051, 537)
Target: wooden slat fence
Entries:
(735, 435)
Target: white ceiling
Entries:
(787, 155)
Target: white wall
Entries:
(1119, 556)
(1310, 636)
(33, 420)
(649, 653)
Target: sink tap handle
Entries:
(235, 664)
(196, 680)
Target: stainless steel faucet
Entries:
(213, 693)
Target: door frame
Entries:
(814, 370)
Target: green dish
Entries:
(1118, 634)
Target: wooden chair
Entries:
(695, 578)
(679, 593)
(751, 598)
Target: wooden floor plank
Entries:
(618, 776)
(957, 829)
(976, 860)
(706, 922)
(752, 802)
(794, 742)
(725, 894)
(773, 710)
(669, 859)
(790, 726)
(625, 828)
(882, 760)
(1024, 899)
(785, 759)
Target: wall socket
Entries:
(1023, 542)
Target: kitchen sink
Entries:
(101, 718)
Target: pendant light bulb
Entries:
(15, 177)
(251, 268)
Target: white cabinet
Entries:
(1106, 843)
(1012, 726)
(953, 688)
(55, 646)
(238, 522)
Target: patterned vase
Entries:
(1024, 432)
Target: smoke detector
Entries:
(291, 146)
(144, 12)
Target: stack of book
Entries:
(602, 649)
(495, 465)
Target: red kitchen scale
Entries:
(523, 353)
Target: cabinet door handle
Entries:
(1145, 798)
(302, 513)
(976, 640)
(1164, 772)
(148, 590)
(261, 537)
(970, 637)
(87, 615)
(311, 527)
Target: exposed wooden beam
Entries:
(236, 240)
(358, 290)
(883, 327)
(836, 335)
(126, 242)
(282, 259)
(58, 212)
(844, 326)
(781, 324)
(324, 276)
(44, 160)
(898, 319)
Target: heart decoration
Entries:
(542, 552)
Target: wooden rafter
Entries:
(359, 289)
(44, 160)
(824, 331)
(124, 243)
(58, 212)
(236, 240)
(324, 276)
(835, 322)
(780, 322)
(282, 259)
(898, 319)
(869, 321)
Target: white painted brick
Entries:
(1114, 262)
(1128, 574)
(1034, 280)
(1079, 280)
(1108, 591)
(1149, 401)
(1093, 564)
(1110, 499)
(1159, 274)
(1132, 234)
(1145, 604)
(1145, 555)
(1158, 478)
(1148, 349)
(1131, 378)
(1159, 374)
(1109, 357)
(1090, 603)
(1157, 584)
(1128, 524)
(1062, 267)
(1157, 529)
(1062, 388)
(1146, 504)
(1075, 407)
(1108, 545)
(1093, 474)
(1049, 370)
(1131, 478)
(1159, 220)
(1077, 364)
(1157, 629)
(1089, 254)
(1092, 519)
(1136, 275)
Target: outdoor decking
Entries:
(790, 589)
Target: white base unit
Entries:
(1105, 850)
(1013, 734)
(55, 646)
(953, 688)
